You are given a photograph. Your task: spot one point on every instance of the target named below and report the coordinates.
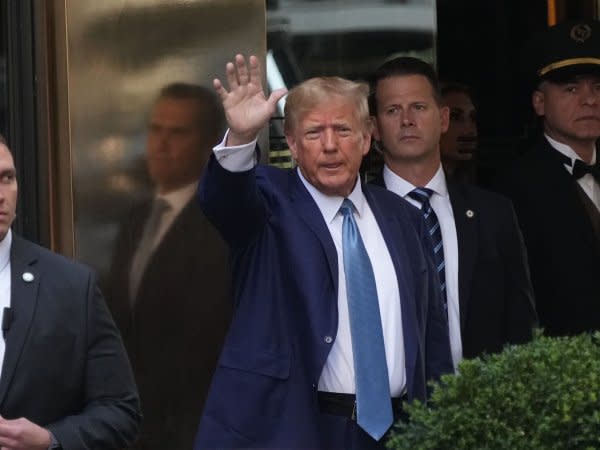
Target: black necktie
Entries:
(580, 169)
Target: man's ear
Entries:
(291, 141)
(537, 100)
(375, 128)
(444, 118)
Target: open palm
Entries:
(247, 109)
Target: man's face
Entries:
(329, 143)
(571, 110)
(8, 190)
(408, 120)
(176, 147)
(460, 140)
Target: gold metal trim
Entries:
(567, 63)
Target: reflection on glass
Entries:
(168, 289)
(163, 272)
(347, 38)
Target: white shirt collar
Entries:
(330, 205)
(567, 151)
(179, 198)
(5, 245)
(401, 187)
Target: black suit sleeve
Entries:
(521, 317)
(110, 416)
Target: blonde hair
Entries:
(314, 91)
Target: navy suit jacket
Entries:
(264, 392)
(65, 367)
(564, 250)
(494, 289)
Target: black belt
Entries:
(345, 405)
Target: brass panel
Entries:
(111, 58)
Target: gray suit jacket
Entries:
(65, 367)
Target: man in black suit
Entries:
(555, 193)
(487, 286)
(66, 381)
(169, 281)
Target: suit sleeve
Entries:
(521, 317)
(110, 416)
(438, 356)
(233, 202)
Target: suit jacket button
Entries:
(328, 339)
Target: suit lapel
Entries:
(465, 219)
(313, 218)
(386, 219)
(24, 296)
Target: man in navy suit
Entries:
(487, 287)
(66, 381)
(286, 377)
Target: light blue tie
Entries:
(373, 402)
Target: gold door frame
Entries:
(92, 79)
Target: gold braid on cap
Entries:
(566, 63)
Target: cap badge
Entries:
(581, 33)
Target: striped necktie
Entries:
(422, 195)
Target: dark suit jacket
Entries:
(65, 367)
(175, 331)
(264, 392)
(495, 294)
(564, 252)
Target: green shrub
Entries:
(543, 395)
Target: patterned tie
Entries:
(422, 195)
(373, 402)
(146, 246)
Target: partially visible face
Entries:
(408, 120)
(8, 190)
(571, 110)
(176, 147)
(459, 142)
(328, 143)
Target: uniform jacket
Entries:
(564, 251)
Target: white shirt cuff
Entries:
(238, 158)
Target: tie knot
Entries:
(580, 169)
(160, 206)
(347, 208)
(421, 194)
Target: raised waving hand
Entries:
(247, 109)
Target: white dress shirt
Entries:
(587, 182)
(440, 203)
(5, 284)
(338, 372)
